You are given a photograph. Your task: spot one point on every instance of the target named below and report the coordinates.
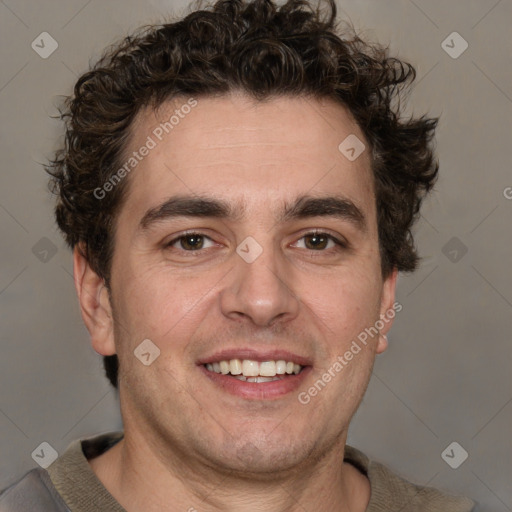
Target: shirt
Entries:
(70, 485)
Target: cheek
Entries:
(346, 305)
(153, 308)
(156, 305)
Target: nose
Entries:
(261, 291)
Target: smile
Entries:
(248, 370)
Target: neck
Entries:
(142, 475)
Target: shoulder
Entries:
(69, 479)
(390, 491)
(34, 492)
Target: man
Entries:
(238, 189)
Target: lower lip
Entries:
(258, 390)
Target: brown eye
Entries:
(316, 241)
(319, 242)
(189, 242)
(192, 242)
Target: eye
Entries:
(318, 241)
(190, 242)
(315, 241)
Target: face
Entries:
(247, 235)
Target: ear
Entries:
(388, 309)
(94, 304)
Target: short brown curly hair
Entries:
(263, 50)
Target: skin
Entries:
(189, 445)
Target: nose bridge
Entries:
(260, 284)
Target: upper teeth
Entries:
(250, 368)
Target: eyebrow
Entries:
(302, 208)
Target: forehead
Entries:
(252, 153)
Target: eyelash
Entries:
(194, 253)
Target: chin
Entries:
(259, 457)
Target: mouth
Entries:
(256, 377)
(248, 370)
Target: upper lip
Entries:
(255, 355)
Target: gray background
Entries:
(446, 376)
